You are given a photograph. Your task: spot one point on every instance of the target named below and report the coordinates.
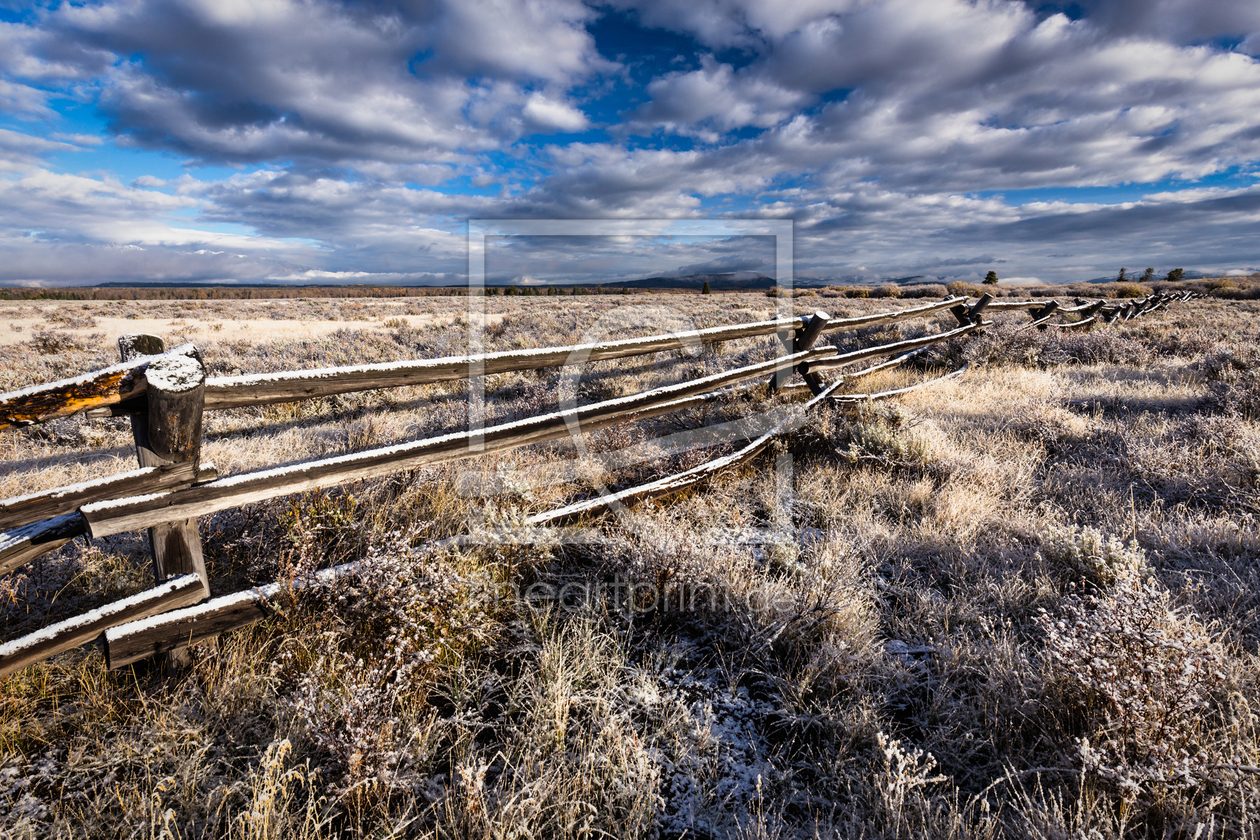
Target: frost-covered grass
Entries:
(1024, 603)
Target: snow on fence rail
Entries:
(166, 392)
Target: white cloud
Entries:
(717, 95)
(1178, 21)
(516, 39)
(548, 113)
(19, 151)
(949, 95)
(880, 122)
(17, 98)
(323, 81)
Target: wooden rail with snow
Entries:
(75, 632)
(105, 518)
(166, 393)
(110, 386)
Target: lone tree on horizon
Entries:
(991, 279)
(705, 290)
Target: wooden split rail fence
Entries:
(166, 392)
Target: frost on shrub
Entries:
(1128, 290)
(1012, 345)
(964, 289)
(1142, 674)
(1234, 380)
(47, 342)
(900, 782)
(1085, 552)
(401, 625)
(876, 435)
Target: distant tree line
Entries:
(283, 292)
(155, 292)
(553, 291)
(1174, 276)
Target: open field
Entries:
(1022, 603)
(95, 324)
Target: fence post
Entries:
(968, 315)
(1048, 309)
(801, 340)
(973, 314)
(169, 432)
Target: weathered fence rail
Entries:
(166, 393)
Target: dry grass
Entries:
(1024, 603)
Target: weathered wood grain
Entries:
(80, 630)
(127, 515)
(179, 628)
(1012, 305)
(22, 545)
(802, 339)
(679, 481)
(65, 397)
(264, 389)
(1071, 325)
(833, 362)
(22, 510)
(861, 321)
(169, 432)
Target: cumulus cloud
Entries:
(76, 207)
(20, 151)
(587, 259)
(899, 233)
(716, 95)
(41, 262)
(320, 80)
(546, 113)
(724, 24)
(947, 95)
(897, 133)
(1178, 21)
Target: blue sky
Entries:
(284, 141)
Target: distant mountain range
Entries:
(1136, 277)
(734, 281)
(752, 280)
